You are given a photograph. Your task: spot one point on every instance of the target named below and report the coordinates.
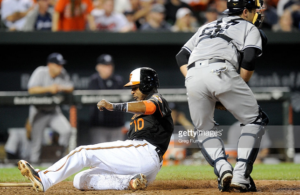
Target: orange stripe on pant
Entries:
(99, 148)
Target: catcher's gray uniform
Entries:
(42, 116)
(215, 52)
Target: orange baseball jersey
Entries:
(73, 19)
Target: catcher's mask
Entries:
(145, 77)
(258, 17)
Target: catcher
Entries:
(118, 165)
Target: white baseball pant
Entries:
(114, 165)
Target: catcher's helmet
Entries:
(145, 77)
(236, 6)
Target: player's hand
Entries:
(105, 104)
(53, 88)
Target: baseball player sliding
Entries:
(209, 61)
(118, 165)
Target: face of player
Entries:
(54, 69)
(249, 15)
(137, 94)
(105, 71)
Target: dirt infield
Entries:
(168, 187)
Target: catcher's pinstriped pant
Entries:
(205, 86)
(113, 165)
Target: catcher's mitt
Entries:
(220, 106)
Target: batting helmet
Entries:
(145, 77)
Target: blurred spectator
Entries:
(221, 5)
(131, 26)
(122, 5)
(107, 20)
(280, 7)
(106, 126)
(270, 17)
(71, 15)
(184, 21)
(98, 4)
(172, 6)
(53, 79)
(140, 10)
(211, 14)
(155, 20)
(179, 118)
(39, 18)
(294, 7)
(13, 13)
(271, 3)
(197, 5)
(285, 23)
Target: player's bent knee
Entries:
(76, 181)
(80, 180)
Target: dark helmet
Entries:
(236, 6)
(145, 77)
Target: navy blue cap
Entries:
(105, 59)
(56, 58)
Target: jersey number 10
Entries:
(138, 124)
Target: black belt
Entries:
(192, 65)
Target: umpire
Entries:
(53, 79)
(106, 126)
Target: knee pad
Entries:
(262, 118)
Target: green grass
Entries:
(203, 172)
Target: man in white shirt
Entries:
(107, 20)
(14, 11)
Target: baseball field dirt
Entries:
(168, 187)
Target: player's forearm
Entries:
(136, 107)
(246, 74)
(39, 90)
(183, 70)
(55, 19)
(146, 107)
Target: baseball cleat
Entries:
(224, 181)
(138, 182)
(28, 171)
(244, 187)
